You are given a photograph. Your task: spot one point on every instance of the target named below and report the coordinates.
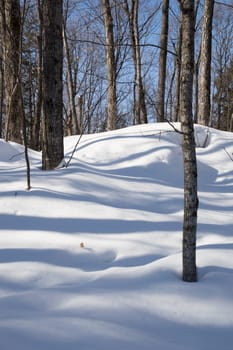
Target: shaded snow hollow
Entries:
(91, 257)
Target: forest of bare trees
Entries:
(121, 65)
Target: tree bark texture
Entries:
(11, 32)
(111, 66)
(1, 97)
(52, 146)
(162, 63)
(189, 153)
(205, 63)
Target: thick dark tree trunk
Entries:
(11, 31)
(1, 97)
(189, 153)
(52, 147)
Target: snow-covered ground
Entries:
(90, 258)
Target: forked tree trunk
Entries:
(111, 66)
(205, 63)
(189, 152)
(52, 147)
(140, 110)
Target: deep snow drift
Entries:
(90, 258)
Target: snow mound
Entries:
(91, 256)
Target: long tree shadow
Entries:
(80, 225)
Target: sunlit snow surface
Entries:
(90, 258)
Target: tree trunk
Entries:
(189, 153)
(178, 68)
(1, 97)
(52, 148)
(162, 63)
(111, 66)
(196, 91)
(205, 63)
(36, 127)
(140, 110)
(11, 30)
(71, 92)
(80, 113)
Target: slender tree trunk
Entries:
(80, 113)
(189, 153)
(141, 112)
(52, 148)
(178, 69)
(111, 66)
(11, 29)
(162, 63)
(205, 63)
(36, 127)
(231, 123)
(71, 90)
(169, 102)
(196, 91)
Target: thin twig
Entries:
(173, 127)
(229, 155)
(74, 150)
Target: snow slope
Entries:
(90, 258)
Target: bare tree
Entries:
(36, 124)
(205, 63)
(52, 147)
(111, 66)
(11, 32)
(189, 153)
(178, 69)
(140, 112)
(75, 128)
(221, 59)
(162, 63)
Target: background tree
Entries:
(221, 62)
(205, 63)
(189, 153)
(111, 66)
(36, 122)
(162, 62)
(177, 73)
(75, 128)
(224, 96)
(11, 35)
(140, 110)
(52, 147)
